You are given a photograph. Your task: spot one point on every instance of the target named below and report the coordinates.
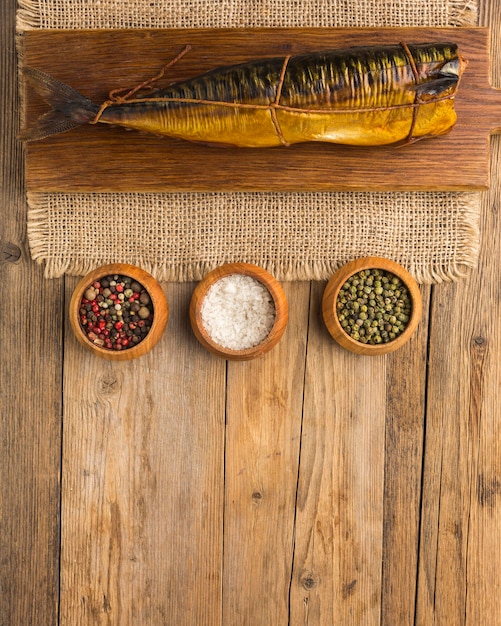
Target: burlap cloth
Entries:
(296, 236)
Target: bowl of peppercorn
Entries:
(118, 311)
(371, 306)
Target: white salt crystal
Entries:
(238, 312)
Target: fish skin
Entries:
(368, 96)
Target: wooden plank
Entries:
(30, 385)
(405, 422)
(483, 548)
(357, 532)
(460, 564)
(447, 481)
(143, 474)
(93, 158)
(264, 407)
(339, 515)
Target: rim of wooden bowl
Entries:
(276, 292)
(158, 299)
(330, 297)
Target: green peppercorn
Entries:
(373, 306)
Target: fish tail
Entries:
(69, 108)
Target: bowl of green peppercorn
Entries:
(371, 306)
(118, 311)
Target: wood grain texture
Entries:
(405, 422)
(31, 319)
(359, 484)
(459, 562)
(264, 411)
(95, 159)
(338, 541)
(143, 474)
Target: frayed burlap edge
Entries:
(28, 17)
(463, 13)
(435, 269)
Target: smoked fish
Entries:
(363, 96)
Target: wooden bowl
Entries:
(158, 300)
(276, 292)
(330, 296)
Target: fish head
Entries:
(439, 75)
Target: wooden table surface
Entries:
(311, 487)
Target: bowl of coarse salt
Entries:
(238, 311)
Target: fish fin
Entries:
(69, 108)
(212, 144)
(406, 142)
(436, 87)
(412, 140)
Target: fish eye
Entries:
(451, 68)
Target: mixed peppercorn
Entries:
(374, 306)
(116, 312)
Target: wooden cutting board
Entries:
(99, 158)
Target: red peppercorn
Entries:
(97, 322)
